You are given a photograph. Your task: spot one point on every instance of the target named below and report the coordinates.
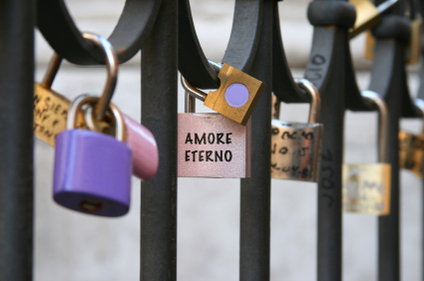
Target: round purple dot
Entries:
(236, 95)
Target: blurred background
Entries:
(72, 246)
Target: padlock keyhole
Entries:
(91, 205)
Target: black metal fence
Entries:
(164, 31)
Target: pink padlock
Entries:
(142, 142)
(144, 149)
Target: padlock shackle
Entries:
(315, 99)
(315, 105)
(52, 70)
(189, 103)
(420, 104)
(192, 90)
(112, 63)
(80, 101)
(383, 124)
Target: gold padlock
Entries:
(50, 107)
(369, 45)
(236, 96)
(367, 15)
(411, 147)
(366, 187)
(413, 50)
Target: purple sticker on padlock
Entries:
(237, 95)
(92, 173)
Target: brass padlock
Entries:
(210, 144)
(367, 15)
(295, 147)
(236, 96)
(366, 187)
(413, 50)
(411, 148)
(50, 107)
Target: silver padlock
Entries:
(295, 147)
(210, 144)
(366, 187)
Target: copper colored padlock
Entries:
(211, 145)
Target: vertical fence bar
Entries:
(159, 114)
(255, 191)
(327, 70)
(388, 76)
(16, 147)
(389, 226)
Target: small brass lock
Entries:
(413, 50)
(411, 148)
(295, 147)
(367, 15)
(236, 96)
(366, 187)
(50, 107)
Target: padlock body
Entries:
(295, 149)
(50, 113)
(211, 145)
(92, 173)
(411, 152)
(236, 96)
(413, 50)
(366, 188)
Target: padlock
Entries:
(51, 112)
(295, 147)
(210, 144)
(411, 148)
(50, 108)
(236, 96)
(413, 50)
(367, 15)
(366, 187)
(92, 171)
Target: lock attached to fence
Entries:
(92, 172)
(411, 148)
(366, 187)
(295, 147)
(51, 108)
(236, 96)
(210, 144)
(51, 112)
(367, 15)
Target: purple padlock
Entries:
(92, 172)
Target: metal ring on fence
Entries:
(241, 48)
(129, 35)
